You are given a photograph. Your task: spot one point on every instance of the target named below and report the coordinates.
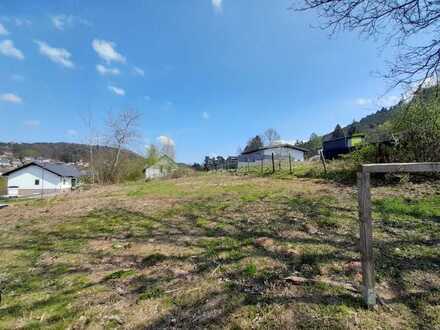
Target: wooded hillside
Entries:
(60, 151)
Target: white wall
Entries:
(151, 173)
(66, 183)
(25, 179)
(297, 155)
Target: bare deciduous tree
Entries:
(91, 140)
(406, 23)
(270, 136)
(122, 130)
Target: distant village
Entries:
(8, 162)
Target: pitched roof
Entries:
(285, 145)
(162, 158)
(59, 169)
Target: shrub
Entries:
(419, 128)
(363, 155)
(182, 172)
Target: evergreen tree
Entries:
(338, 132)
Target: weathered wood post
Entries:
(321, 155)
(366, 238)
(273, 163)
(290, 164)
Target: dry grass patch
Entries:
(214, 251)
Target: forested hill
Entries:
(367, 125)
(374, 122)
(371, 122)
(59, 151)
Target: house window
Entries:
(64, 181)
(37, 182)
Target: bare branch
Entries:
(407, 22)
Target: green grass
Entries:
(214, 251)
(341, 171)
(250, 270)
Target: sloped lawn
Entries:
(216, 251)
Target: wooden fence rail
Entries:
(366, 221)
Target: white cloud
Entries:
(165, 140)
(116, 90)
(57, 55)
(11, 98)
(3, 31)
(60, 21)
(72, 132)
(388, 101)
(383, 101)
(363, 102)
(138, 71)
(63, 21)
(7, 48)
(205, 115)
(106, 50)
(32, 123)
(412, 89)
(218, 5)
(103, 70)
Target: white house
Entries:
(279, 151)
(163, 167)
(41, 178)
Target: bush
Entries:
(365, 154)
(182, 172)
(418, 125)
(132, 170)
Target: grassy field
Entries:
(216, 251)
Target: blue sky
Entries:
(208, 74)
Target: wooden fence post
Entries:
(273, 163)
(321, 155)
(290, 164)
(366, 238)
